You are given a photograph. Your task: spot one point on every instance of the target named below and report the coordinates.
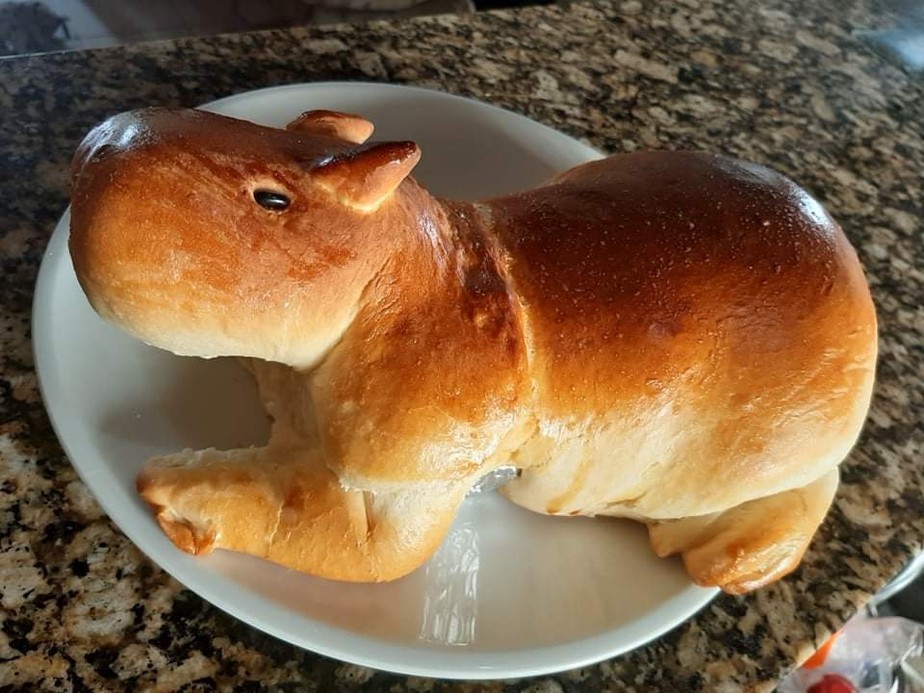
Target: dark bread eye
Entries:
(271, 200)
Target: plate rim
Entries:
(326, 639)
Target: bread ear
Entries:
(367, 176)
(343, 126)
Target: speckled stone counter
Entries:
(782, 83)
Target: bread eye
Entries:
(271, 200)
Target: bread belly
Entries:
(663, 458)
(597, 465)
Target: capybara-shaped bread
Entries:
(683, 339)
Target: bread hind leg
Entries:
(750, 545)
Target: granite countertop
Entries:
(783, 83)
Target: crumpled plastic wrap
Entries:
(868, 655)
(494, 480)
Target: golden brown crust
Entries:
(428, 383)
(344, 126)
(364, 178)
(702, 331)
(685, 262)
(750, 545)
(659, 336)
(283, 505)
(169, 243)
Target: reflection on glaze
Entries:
(451, 585)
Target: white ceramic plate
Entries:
(509, 594)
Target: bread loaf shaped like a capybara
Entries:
(679, 338)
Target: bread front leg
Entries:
(284, 505)
(750, 545)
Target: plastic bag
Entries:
(863, 656)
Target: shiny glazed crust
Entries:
(679, 338)
(696, 323)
